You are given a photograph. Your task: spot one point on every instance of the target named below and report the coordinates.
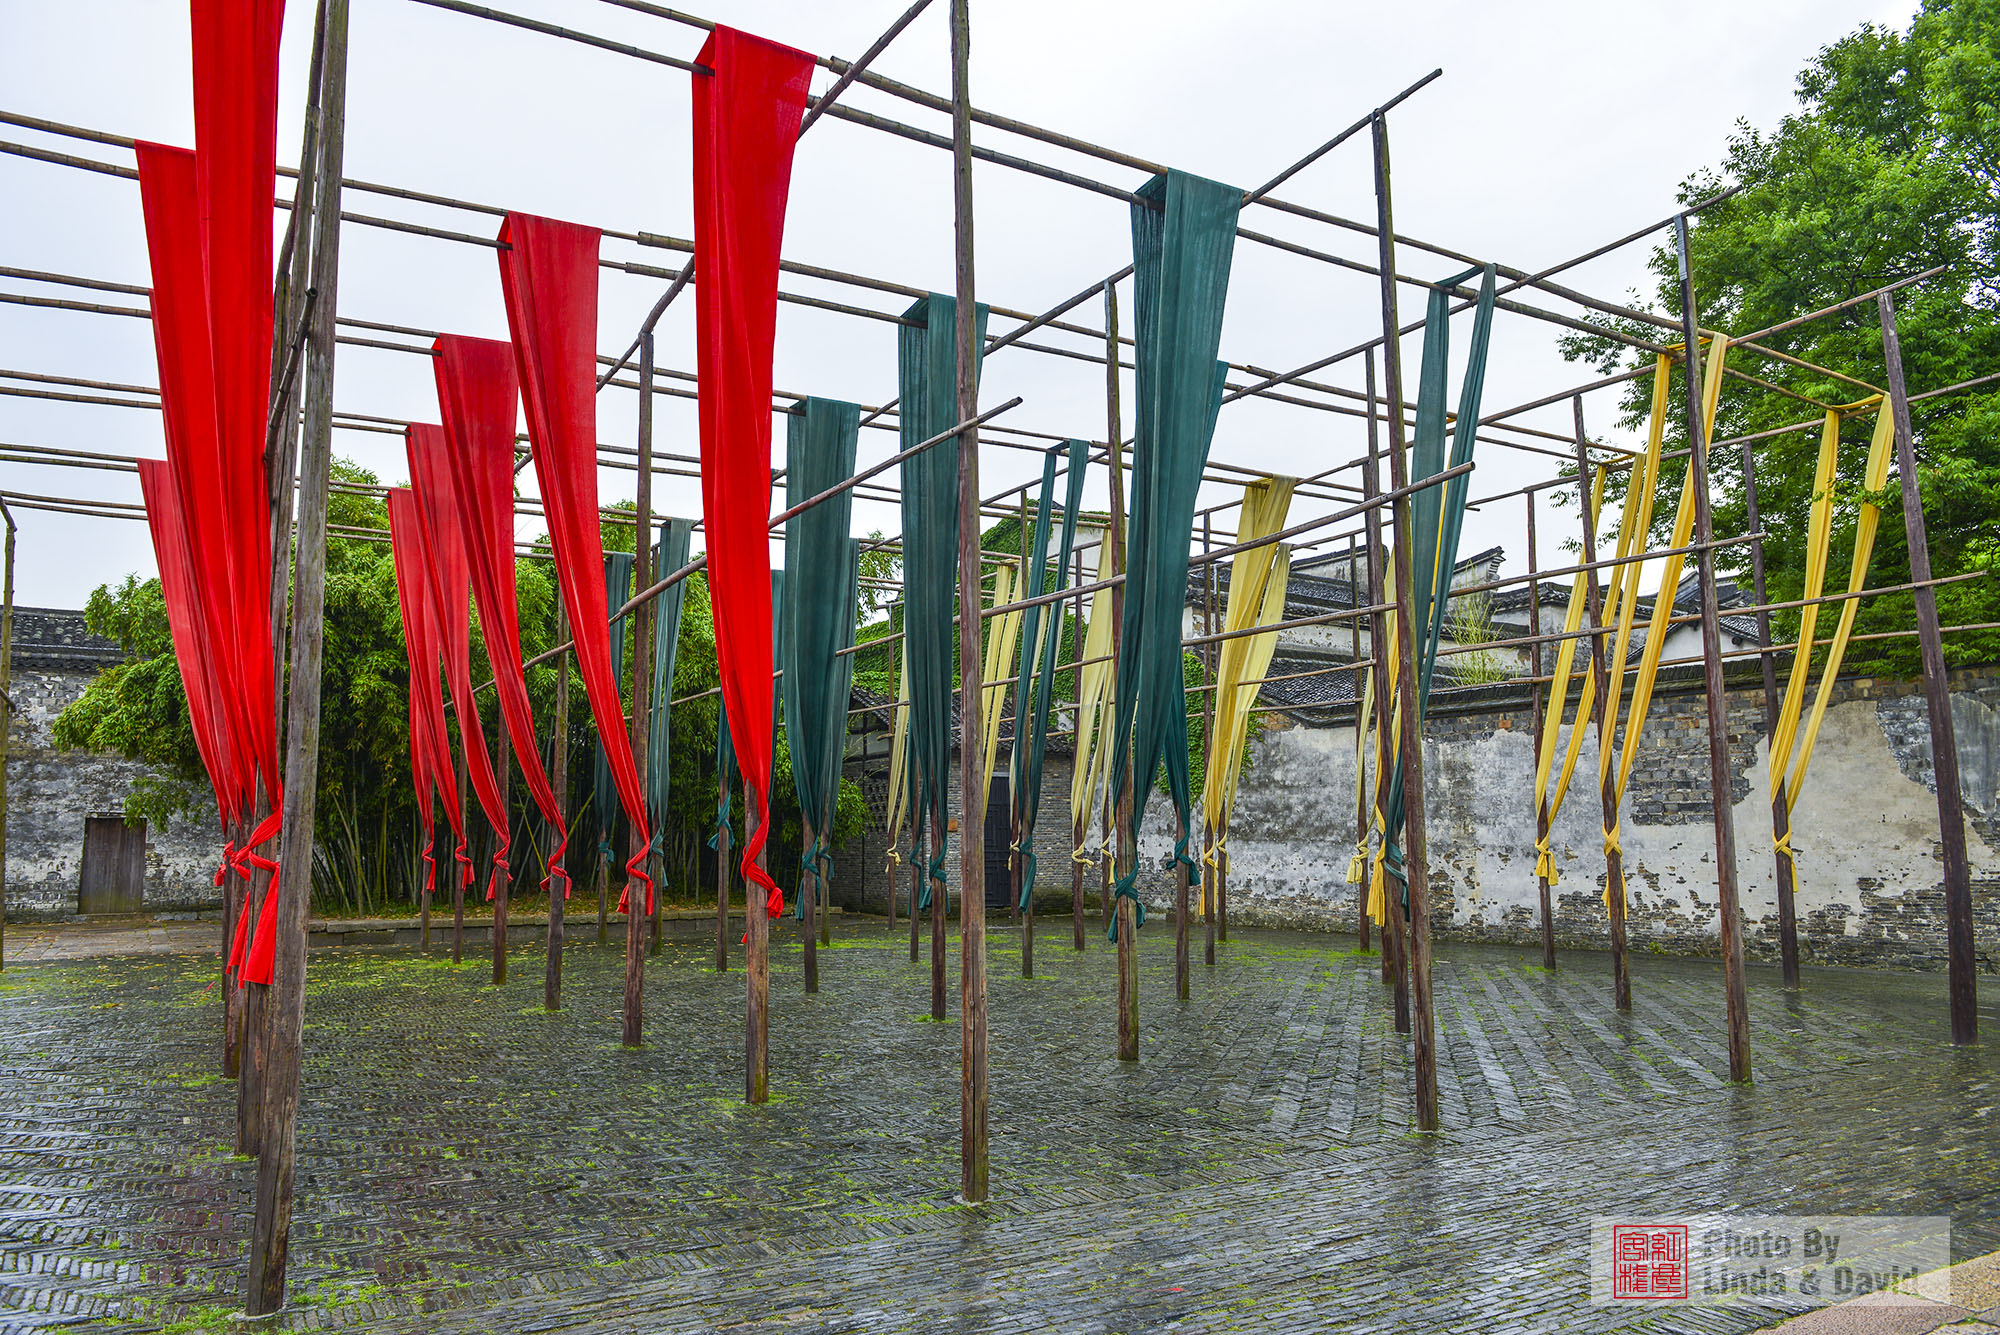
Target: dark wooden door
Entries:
(113, 877)
(999, 838)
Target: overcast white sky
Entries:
(1556, 126)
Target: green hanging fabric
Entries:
(927, 385)
(670, 553)
(604, 796)
(820, 592)
(1183, 238)
(1041, 638)
(1438, 513)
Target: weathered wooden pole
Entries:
(1535, 676)
(722, 879)
(1023, 688)
(1210, 708)
(1120, 910)
(1961, 967)
(6, 739)
(1360, 744)
(503, 878)
(809, 907)
(1079, 817)
(458, 880)
(1781, 809)
(270, 1233)
(1395, 950)
(1711, 672)
(917, 874)
(757, 977)
(1415, 855)
(972, 778)
(559, 780)
(939, 908)
(1599, 652)
(642, 693)
(825, 880)
(438, 847)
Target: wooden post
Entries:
(757, 971)
(458, 879)
(1210, 708)
(825, 881)
(1120, 910)
(1711, 664)
(1415, 864)
(1607, 724)
(1781, 809)
(559, 780)
(438, 846)
(270, 1234)
(1079, 819)
(1395, 961)
(503, 880)
(1022, 687)
(1535, 676)
(6, 738)
(917, 874)
(1360, 739)
(722, 856)
(939, 907)
(642, 693)
(1182, 959)
(1961, 967)
(809, 907)
(972, 779)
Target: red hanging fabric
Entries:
(548, 274)
(451, 592)
(192, 651)
(746, 122)
(430, 742)
(235, 49)
(477, 392)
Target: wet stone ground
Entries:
(469, 1162)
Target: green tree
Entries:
(1890, 168)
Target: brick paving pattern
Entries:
(470, 1163)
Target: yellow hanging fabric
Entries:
(892, 821)
(1001, 636)
(1357, 864)
(1660, 626)
(1547, 800)
(1378, 898)
(1257, 580)
(1788, 766)
(1093, 708)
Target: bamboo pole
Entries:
(559, 781)
(1721, 798)
(1125, 923)
(1607, 726)
(1414, 820)
(972, 778)
(642, 689)
(271, 1230)
(1961, 966)
(1781, 808)
(1537, 711)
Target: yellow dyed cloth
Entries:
(1357, 863)
(1791, 748)
(899, 798)
(1257, 581)
(1626, 580)
(1550, 800)
(1002, 632)
(1093, 710)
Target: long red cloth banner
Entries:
(202, 462)
(235, 49)
(548, 274)
(451, 592)
(477, 393)
(430, 743)
(746, 122)
(192, 651)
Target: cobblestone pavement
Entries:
(471, 1163)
